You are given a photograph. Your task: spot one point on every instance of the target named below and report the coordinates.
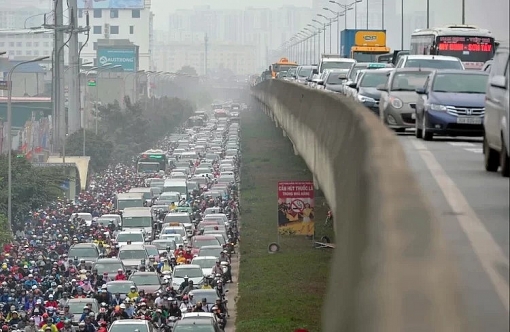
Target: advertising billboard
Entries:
(296, 214)
(127, 57)
(110, 4)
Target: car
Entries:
(303, 73)
(130, 237)
(196, 324)
(210, 251)
(108, 265)
(496, 145)
(174, 228)
(133, 255)
(139, 325)
(194, 272)
(106, 219)
(206, 263)
(198, 241)
(153, 251)
(86, 251)
(149, 282)
(353, 74)
(165, 245)
(209, 294)
(429, 61)
(200, 315)
(366, 88)
(398, 97)
(334, 79)
(121, 287)
(76, 307)
(451, 103)
(178, 239)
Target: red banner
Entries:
(296, 208)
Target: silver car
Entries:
(398, 97)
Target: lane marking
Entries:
(461, 144)
(475, 150)
(485, 247)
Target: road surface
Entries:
(473, 209)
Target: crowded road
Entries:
(473, 208)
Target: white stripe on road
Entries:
(461, 144)
(475, 150)
(487, 250)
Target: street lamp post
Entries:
(320, 28)
(330, 26)
(349, 7)
(9, 136)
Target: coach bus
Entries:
(152, 161)
(282, 65)
(472, 45)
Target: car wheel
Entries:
(491, 157)
(426, 135)
(417, 129)
(504, 160)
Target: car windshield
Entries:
(145, 279)
(373, 79)
(177, 218)
(112, 267)
(205, 263)
(162, 245)
(174, 230)
(136, 222)
(216, 252)
(152, 250)
(460, 83)
(128, 327)
(76, 307)
(119, 287)
(335, 79)
(336, 65)
(409, 81)
(199, 243)
(105, 221)
(190, 272)
(133, 237)
(304, 72)
(132, 254)
(435, 64)
(83, 252)
(195, 327)
(176, 237)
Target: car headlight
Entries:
(396, 103)
(437, 107)
(365, 99)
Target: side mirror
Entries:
(352, 85)
(320, 82)
(498, 81)
(308, 79)
(315, 72)
(421, 91)
(382, 87)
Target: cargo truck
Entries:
(363, 45)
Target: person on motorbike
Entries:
(184, 284)
(217, 268)
(185, 305)
(14, 319)
(174, 310)
(207, 283)
(120, 275)
(181, 259)
(220, 290)
(31, 326)
(188, 255)
(142, 312)
(164, 266)
(103, 326)
(198, 307)
(220, 317)
(188, 288)
(158, 318)
(224, 258)
(49, 325)
(133, 293)
(68, 326)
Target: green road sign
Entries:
(91, 83)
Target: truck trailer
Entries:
(363, 45)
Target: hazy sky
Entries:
(225, 4)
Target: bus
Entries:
(152, 161)
(282, 65)
(472, 45)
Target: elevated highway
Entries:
(422, 230)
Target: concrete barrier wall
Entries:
(390, 270)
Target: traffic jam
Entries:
(147, 247)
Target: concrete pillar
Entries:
(284, 133)
(315, 183)
(296, 153)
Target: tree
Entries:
(5, 236)
(99, 149)
(32, 187)
(187, 70)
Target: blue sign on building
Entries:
(127, 58)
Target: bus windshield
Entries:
(127, 203)
(148, 167)
(131, 222)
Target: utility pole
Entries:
(206, 46)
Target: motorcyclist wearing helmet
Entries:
(49, 325)
(31, 327)
(158, 318)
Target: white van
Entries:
(138, 218)
(128, 200)
(176, 185)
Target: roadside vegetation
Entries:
(282, 291)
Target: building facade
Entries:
(239, 59)
(134, 25)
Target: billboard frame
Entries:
(119, 49)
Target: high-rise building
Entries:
(133, 24)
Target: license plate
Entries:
(469, 120)
(413, 116)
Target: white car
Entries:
(130, 237)
(192, 271)
(206, 263)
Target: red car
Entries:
(198, 241)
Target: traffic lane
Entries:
(483, 304)
(487, 193)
